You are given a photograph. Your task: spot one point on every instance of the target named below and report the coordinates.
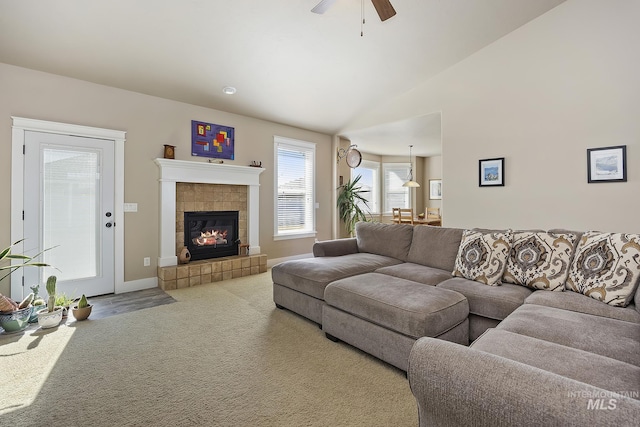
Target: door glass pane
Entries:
(71, 211)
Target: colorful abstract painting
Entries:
(209, 140)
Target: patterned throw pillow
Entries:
(482, 256)
(540, 260)
(606, 267)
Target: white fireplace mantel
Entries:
(173, 171)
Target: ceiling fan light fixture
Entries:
(229, 90)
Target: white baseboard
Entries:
(272, 262)
(138, 285)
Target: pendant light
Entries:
(410, 182)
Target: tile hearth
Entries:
(210, 270)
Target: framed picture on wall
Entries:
(435, 189)
(211, 140)
(492, 172)
(607, 164)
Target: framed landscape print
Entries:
(435, 189)
(210, 140)
(607, 164)
(492, 172)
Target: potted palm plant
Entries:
(350, 204)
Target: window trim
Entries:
(377, 166)
(280, 141)
(384, 185)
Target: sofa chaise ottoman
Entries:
(384, 315)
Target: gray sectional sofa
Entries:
(559, 345)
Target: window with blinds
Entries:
(295, 184)
(369, 172)
(394, 194)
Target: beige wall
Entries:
(432, 170)
(150, 122)
(539, 97)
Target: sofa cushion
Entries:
(410, 308)
(392, 240)
(611, 374)
(311, 275)
(416, 272)
(494, 302)
(607, 337)
(540, 260)
(482, 256)
(435, 247)
(606, 267)
(577, 302)
(335, 247)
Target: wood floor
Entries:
(110, 305)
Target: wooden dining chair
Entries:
(406, 216)
(396, 215)
(433, 213)
(433, 216)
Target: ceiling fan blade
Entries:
(323, 6)
(384, 9)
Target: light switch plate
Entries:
(131, 207)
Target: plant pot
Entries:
(15, 321)
(49, 320)
(81, 313)
(34, 313)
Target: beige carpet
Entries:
(222, 355)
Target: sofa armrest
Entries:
(456, 385)
(335, 247)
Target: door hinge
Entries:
(23, 282)
(23, 215)
(24, 148)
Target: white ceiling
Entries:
(289, 65)
(394, 138)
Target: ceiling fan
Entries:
(383, 7)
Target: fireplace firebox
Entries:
(211, 234)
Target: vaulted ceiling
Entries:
(289, 65)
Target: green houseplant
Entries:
(350, 202)
(62, 300)
(82, 310)
(51, 316)
(14, 317)
(27, 261)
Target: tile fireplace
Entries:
(173, 172)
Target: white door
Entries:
(69, 207)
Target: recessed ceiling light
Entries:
(229, 90)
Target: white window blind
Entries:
(395, 195)
(295, 183)
(369, 172)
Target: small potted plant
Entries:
(38, 303)
(52, 315)
(62, 300)
(82, 310)
(14, 317)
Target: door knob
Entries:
(108, 214)
(108, 225)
